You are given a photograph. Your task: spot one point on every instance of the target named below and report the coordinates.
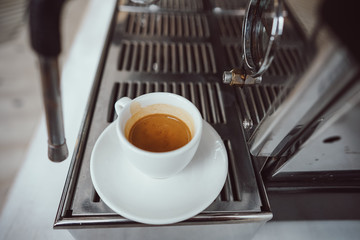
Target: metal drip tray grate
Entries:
(206, 97)
(229, 4)
(255, 103)
(167, 24)
(287, 62)
(230, 26)
(164, 57)
(180, 5)
(180, 46)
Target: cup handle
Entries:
(121, 103)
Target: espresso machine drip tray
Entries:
(182, 47)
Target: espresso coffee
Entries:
(159, 133)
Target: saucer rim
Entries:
(166, 220)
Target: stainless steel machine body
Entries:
(170, 48)
(313, 126)
(183, 46)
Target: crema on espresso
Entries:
(159, 133)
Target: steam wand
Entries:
(45, 40)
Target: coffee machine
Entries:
(282, 94)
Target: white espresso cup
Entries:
(158, 164)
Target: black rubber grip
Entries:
(44, 20)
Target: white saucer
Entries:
(138, 197)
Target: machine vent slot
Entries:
(183, 5)
(113, 97)
(167, 25)
(255, 102)
(233, 55)
(230, 26)
(162, 57)
(207, 97)
(287, 61)
(95, 196)
(231, 190)
(229, 4)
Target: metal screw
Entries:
(227, 77)
(247, 123)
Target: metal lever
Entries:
(45, 40)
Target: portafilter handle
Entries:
(44, 20)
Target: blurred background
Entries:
(20, 89)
